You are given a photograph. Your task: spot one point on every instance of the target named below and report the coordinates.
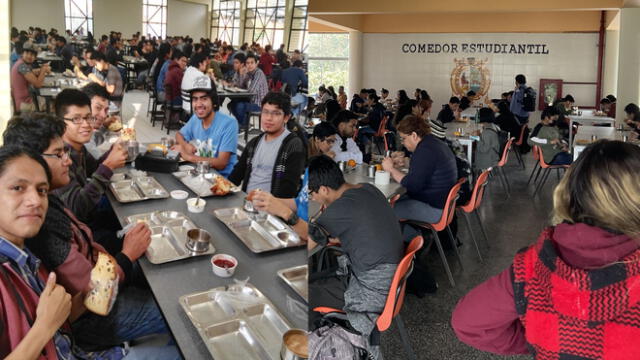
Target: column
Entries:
(628, 60)
(355, 62)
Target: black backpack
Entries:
(529, 100)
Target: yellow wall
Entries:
(535, 22)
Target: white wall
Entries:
(124, 16)
(610, 78)
(571, 57)
(46, 14)
(187, 18)
(628, 60)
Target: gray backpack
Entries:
(333, 342)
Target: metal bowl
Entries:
(295, 345)
(198, 240)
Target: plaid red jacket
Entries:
(577, 314)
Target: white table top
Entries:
(589, 116)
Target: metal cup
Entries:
(294, 345)
(620, 127)
(625, 138)
(371, 171)
(203, 167)
(133, 149)
(341, 165)
(165, 142)
(594, 138)
(198, 240)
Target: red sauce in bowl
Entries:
(224, 263)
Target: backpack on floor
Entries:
(529, 100)
(334, 342)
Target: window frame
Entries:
(232, 38)
(147, 25)
(87, 11)
(270, 13)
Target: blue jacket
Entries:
(293, 77)
(162, 75)
(517, 102)
(432, 172)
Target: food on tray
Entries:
(351, 163)
(104, 283)
(583, 142)
(157, 148)
(128, 134)
(221, 186)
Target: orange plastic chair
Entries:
(500, 167)
(546, 168)
(518, 143)
(395, 299)
(536, 157)
(473, 204)
(443, 223)
(382, 134)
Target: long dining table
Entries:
(171, 280)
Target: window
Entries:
(225, 21)
(328, 60)
(298, 25)
(78, 16)
(154, 18)
(264, 22)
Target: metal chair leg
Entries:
(533, 172)
(455, 246)
(443, 257)
(484, 232)
(466, 218)
(506, 180)
(404, 337)
(543, 180)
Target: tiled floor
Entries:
(511, 224)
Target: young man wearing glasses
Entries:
(89, 176)
(274, 161)
(209, 135)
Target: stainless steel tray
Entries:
(236, 322)
(258, 232)
(168, 236)
(127, 188)
(297, 278)
(199, 184)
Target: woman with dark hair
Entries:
(424, 95)
(332, 92)
(404, 110)
(164, 54)
(506, 121)
(572, 294)
(402, 98)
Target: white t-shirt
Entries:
(353, 151)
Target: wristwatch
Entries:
(293, 219)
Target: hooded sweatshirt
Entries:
(574, 294)
(174, 79)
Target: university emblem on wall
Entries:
(470, 74)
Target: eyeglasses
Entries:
(330, 141)
(272, 113)
(64, 156)
(79, 120)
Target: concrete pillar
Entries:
(355, 62)
(628, 60)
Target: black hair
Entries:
(163, 50)
(471, 93)
(177, 54)
(364, 91)
(374, 97)
(279, 99)
(404, 110)
(611, 98)
(343, 116)
(403, 97)
(454, 100)
(297, 63)
(424, 95)
(505, 94)
(211, 93)
(333, 108)
(549, 111)
(94, 89)
(252, 55)
(323, 130)
(70, 97)
(384, 91)
(33, 130)
(9, 153)
(632, 109)
(197, 59)
(521, 79)
(98, 56)
(486, 115)
(323, 171)
(605, 101)
(61, 39)
(240, 57)
(503, 108)
(569, 98)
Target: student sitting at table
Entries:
(432, 173)
(274, 160)
(256, 82)
(450, 112)
(507, 121)
(23, 75)
(548, 138)
(322, 140)
(35, 310)
(100, 111)
(197, 69)
(65, 51)
(612, 106)
(345, 148)
(173, 79)
(565, 108)
(360, 219)
(632, 116)
(65, 245)
(89, 176)
(572, 294)
(83, 71)
(371, 123)
(209, 135)
(488, 147)
(107, 75)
